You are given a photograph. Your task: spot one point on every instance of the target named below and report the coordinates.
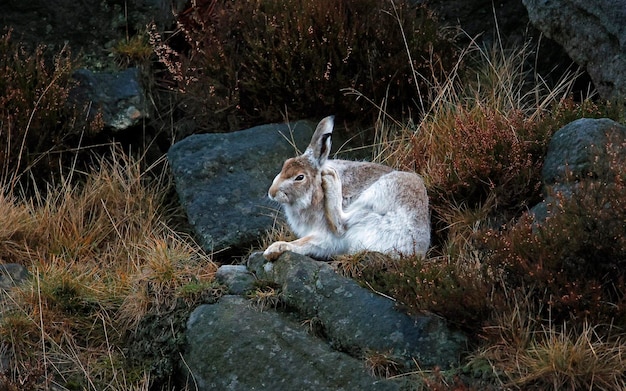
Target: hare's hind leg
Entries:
(333, 209)
(391, 216)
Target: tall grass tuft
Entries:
(529, 354)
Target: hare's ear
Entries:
(319, 148)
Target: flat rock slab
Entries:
(355, 319)
(222, 180)
(233, 346)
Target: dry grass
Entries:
(566, 360)
(485, 135)
(382, 364)
(266, 296)
(530, 354)
(101, 256)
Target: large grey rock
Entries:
(574, 149)
(222, 180)
(119, 96)
(355, 319)
(232, 346)
(593, 33)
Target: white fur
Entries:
(338, 206)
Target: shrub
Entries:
(454, 288)
(36, 117)
(480, 147)
(576, 256)
(251, 60)
(484, 138)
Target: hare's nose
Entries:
(271, 193)
(274, 188)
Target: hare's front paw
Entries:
(275, 250)
(330, 180)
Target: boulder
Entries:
(355, 319)
(90, 28)
(222, 180)
(577, 152)
(119, 96)
(593, 33)
(232, 346)
(318, 338)
(573, 149)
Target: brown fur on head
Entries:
(297, 183)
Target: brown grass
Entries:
(102, 257)
(529, 353)
(480, 149)
(382, 364)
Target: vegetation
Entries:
(248, 62)
(542, 301)
(101, 258)
(38, 122)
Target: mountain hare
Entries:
(343, 207)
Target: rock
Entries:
(222, 180)
(573, 149)
(119, 96)
(237, 278)
(489, 24)
(478, 18)
(355, 319)
(233, 346)
(576, 153)
(12, 274)
(593, 33)
(90, 28)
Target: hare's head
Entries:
(299, 182)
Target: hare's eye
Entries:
(299, 178)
